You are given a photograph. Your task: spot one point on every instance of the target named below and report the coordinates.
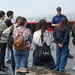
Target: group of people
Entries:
(16, 40)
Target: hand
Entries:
(58, 25)
(12, 28)
(60, 45)
(31, 49)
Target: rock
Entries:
(35, 70)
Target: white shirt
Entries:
(37, 38)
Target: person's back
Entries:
(8, 20)
(73, 34)
(60, 35)
(41, 36)
(73, 41)
(2, 41)
(8, 24)
(37, 37)
(22, 54)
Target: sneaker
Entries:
(6, 67)
(73, 68)
(23, 70)
(4, 70)
(70, 56)
(62, 71)
(2, 73)
(17, 72)
(9, 62)
(1, 69)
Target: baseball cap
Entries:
(58, 9)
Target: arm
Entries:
(54, 25)
(53, 22)
(55, 37)
(33, 45)
(66, 36)
(8, 23)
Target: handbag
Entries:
(45, 54)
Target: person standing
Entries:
(3, 41)
(9, 32)
(61, 37)
(21, 54)
(56, 21)
(73, 34)
(8, 23)
(39, 37)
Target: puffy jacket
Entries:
(2, 28)
(61, 37)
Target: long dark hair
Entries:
(73, 28)
(43, 26)
(63, 24)
(17, 19)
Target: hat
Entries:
(58, 9)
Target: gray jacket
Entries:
(2, 28)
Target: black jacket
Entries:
(73, 34)
(61, 37)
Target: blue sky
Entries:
(37, 7)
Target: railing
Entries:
(33, 25)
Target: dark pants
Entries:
(12, 58)
(37, 62)
(2, 54)
(61, 57)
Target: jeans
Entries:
(12, 59)
(61, 57)
(8, 53)
(21, 58)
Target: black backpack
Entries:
(45, 53)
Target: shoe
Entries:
(2, 73)
(70, 56)
(62, 71)
(1, 69)
(9, 62)
(6, 67)
(23, 70)
(4, 70)
(73, 68)
(17, 72)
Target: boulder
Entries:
(36, 70)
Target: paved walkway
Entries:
(71, 62)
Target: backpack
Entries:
(19, 42)
(45, 53)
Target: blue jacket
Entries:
(61, 37)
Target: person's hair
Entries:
(17, 19)
(2, 13)
(9, 13)
(43, 26)
(73, 28)
(22, 21)
(63, 24)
